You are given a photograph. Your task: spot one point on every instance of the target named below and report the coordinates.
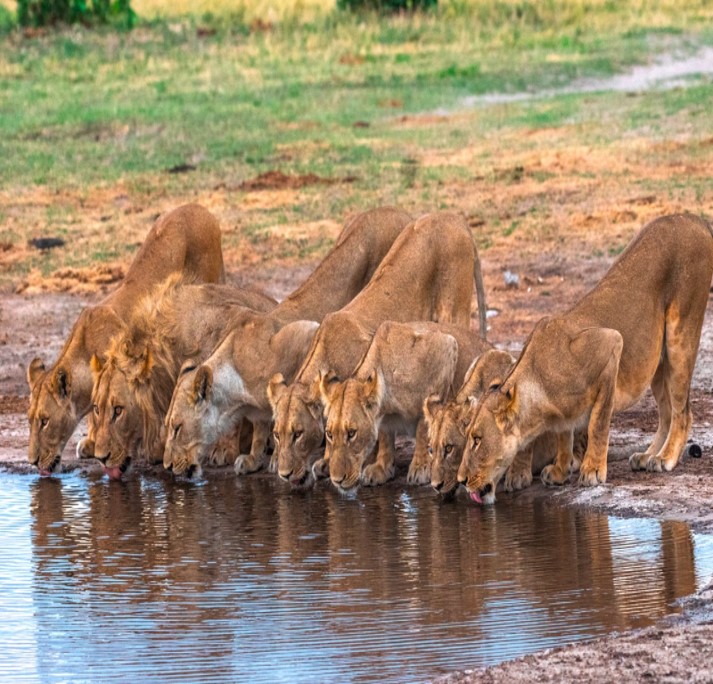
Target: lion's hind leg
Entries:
(681, 348)
(660, 391)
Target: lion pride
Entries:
(428, 275)
(405, 363)
(185, 240)
(639, 327)
(211, 397)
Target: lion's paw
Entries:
(639, 461)
(553, 475)
(656, 464)
(248, 463)
(419, 473)
(514, 481)
(375, 474)
(85, 448)
(591, 476)
(320, 469)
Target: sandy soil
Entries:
(36, 324)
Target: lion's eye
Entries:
(296, 435)
(328, 434)
(351, 434)
(118, 410)
(476, 440)
(95, 407)
(448, 448)
(43, 421)
(176, 430)
(430, 450)
(276, 436)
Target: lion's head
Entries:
(129, 401)
(193, 421)
(299, 428)
(52, 415)
(352, 425)
(491, 445)
(447, 421)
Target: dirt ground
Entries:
(674, 650)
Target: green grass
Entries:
(83, 109)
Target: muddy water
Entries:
(237, 580)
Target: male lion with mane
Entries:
(639, 327)
(133, 388)
(185, 241)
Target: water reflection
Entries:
(237, 581)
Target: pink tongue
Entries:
(44, 472)
(475, 496)
(113, 473)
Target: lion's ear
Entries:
(62, 382)
(96, 365)
(327, 385)
(372, 389)
(34, 371)
(506, 408)
(202, 384)
(275, 389)
(430, 406)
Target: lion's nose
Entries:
(286, 476)
(102, 459)
(338, 481)
(462, 479)
(190, 471)
(438, 486)
(169, 467)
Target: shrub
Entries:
(51, 12)
(386, 6)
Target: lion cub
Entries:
(405, 363)
(639, 327)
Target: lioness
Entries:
(447, 421)
(186, 241)
(427, 275)
(238, 371)
(639, 326)
(133, 387)
(405, 363)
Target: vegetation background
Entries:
(284, 116)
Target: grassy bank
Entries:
(91, 121)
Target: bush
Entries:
(386, 6)
(51, 12)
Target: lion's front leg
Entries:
(519, 474)
(593, 470)
(256, 459)
(384, 468)
(558, 472)
(419, 471)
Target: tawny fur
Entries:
(427, 276)
(405, 363)
(175, 322)
(639, 327)
(260, 346)
(186, 241)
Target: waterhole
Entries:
(239, 580)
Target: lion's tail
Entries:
(480, 294)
